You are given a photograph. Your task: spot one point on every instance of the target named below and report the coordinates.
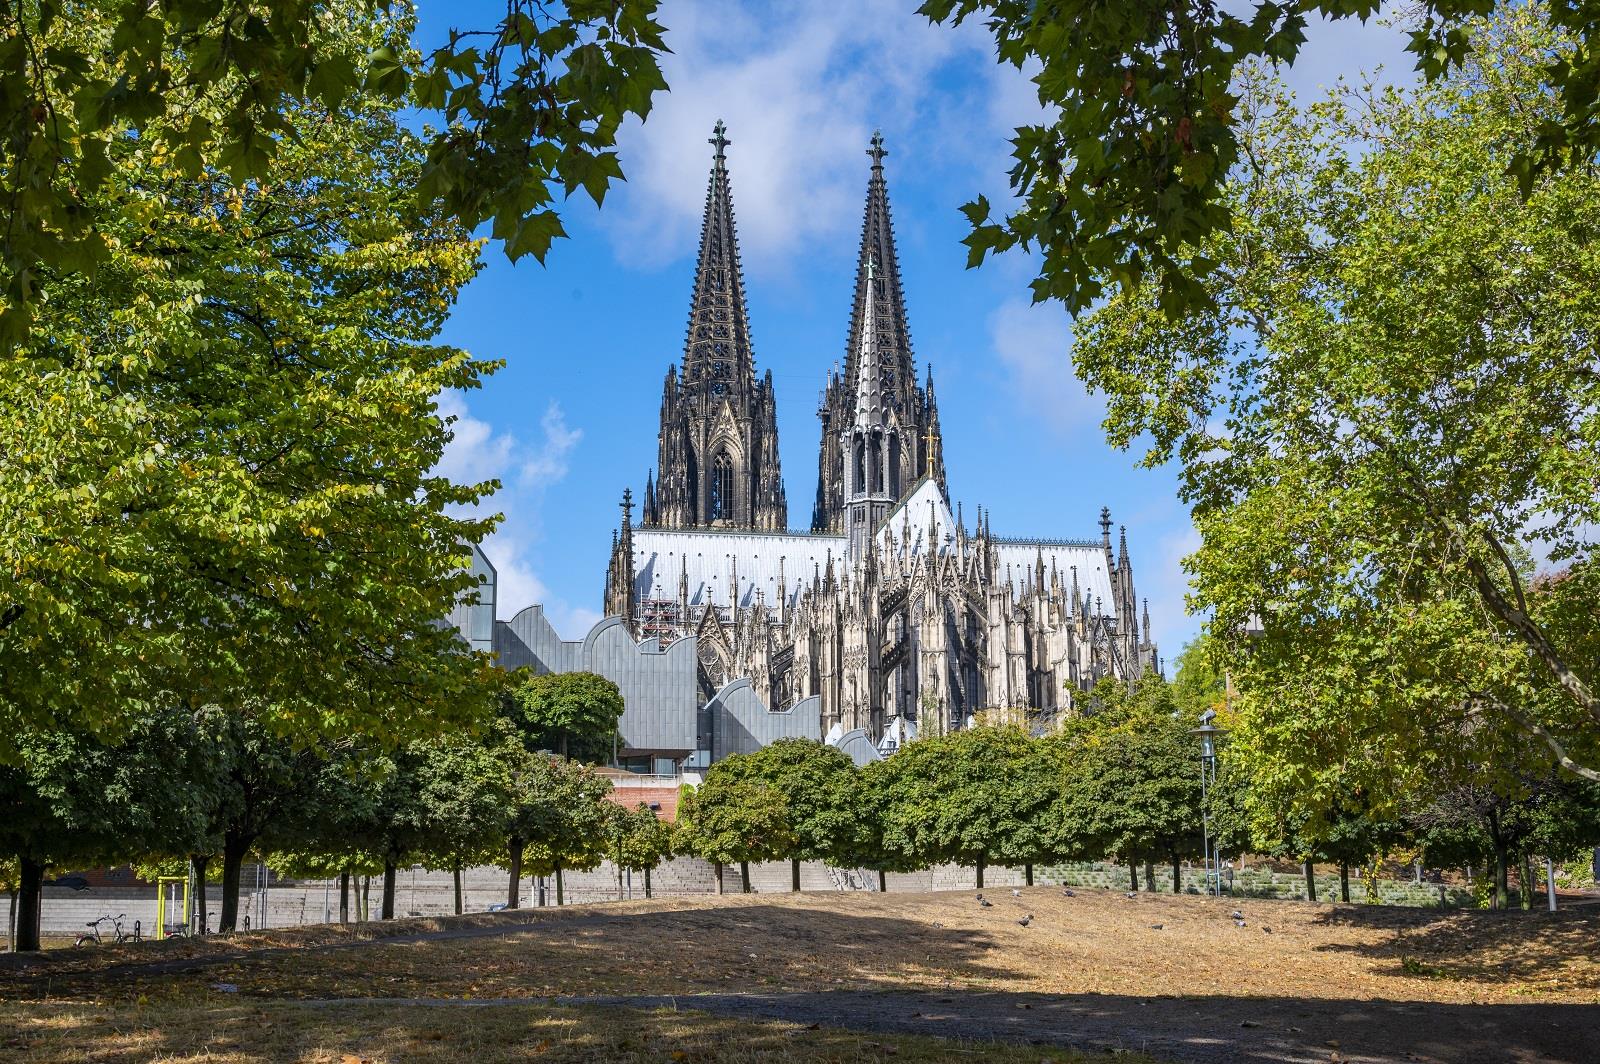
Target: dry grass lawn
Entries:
(174, 1031)
(159, 1002)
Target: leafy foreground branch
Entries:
(1391, 412)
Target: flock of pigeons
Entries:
(1236, 916)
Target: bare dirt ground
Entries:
(1174, 977)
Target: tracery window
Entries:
(721, 497)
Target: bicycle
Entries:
(118, 934)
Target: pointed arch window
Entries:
(721, 488)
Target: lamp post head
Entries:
(1208, 733)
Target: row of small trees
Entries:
(210, 788)
(1123, 782)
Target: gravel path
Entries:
(1214, 1030)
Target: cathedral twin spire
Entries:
(719, 463)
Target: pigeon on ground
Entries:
(986, 903)
(1015, 893)
(1133, 894)
(1157, 927)
(1268, 930)
(1238, 923)
(1025, 920)
(1069, 894)
(980, 895)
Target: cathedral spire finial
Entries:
(877, 151)
(720, 141)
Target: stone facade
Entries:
(891, 612)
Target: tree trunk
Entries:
(455, 874)
(344, 896)
(883, 882)
(980, 874)
(794, 874)
(30, 894)
(744, 877)
(1133, 874)
(1311, 881)
(647, 884)
(1150, 876)
(1344, 881)
(1525, 874)
(197, 870)
(1502, 886)
(11, 923)
(1177, 877)
(234, 847)
(366, 899)
(719, 877)
(386, 907)
(561, 896)
(1027, 875)
(515, 847)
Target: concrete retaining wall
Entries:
(423, 893)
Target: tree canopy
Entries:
(1392, 406)
(734, 817)
(977, 797)
(1127, 180)
(219, 484)
(525, 109)
(574, 714)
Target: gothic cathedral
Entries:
(901, 617)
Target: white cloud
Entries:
(1034, 343)
(477, 453)
(548, 465)
(801, 89)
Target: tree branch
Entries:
(1534, 728)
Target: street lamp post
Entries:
(1208, 733)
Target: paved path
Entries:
(1216, 1030)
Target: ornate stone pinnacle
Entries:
(877, 150)
(720, 139)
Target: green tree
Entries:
(72, 800)
(219, 482)
(818, 785)
(971, 797)
(1131, 779)
(464, 792)
(575, 714)
(1128, 179)
(637, 841)
(733, 818)
(557, 817)
(1394, 394)
(525, 108)
(1198, 684)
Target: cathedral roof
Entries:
(710, 559)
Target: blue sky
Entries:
(572, 418)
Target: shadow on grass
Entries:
(746, 946)
(1195, 1029)
(1479, 946)
(824, 1025)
